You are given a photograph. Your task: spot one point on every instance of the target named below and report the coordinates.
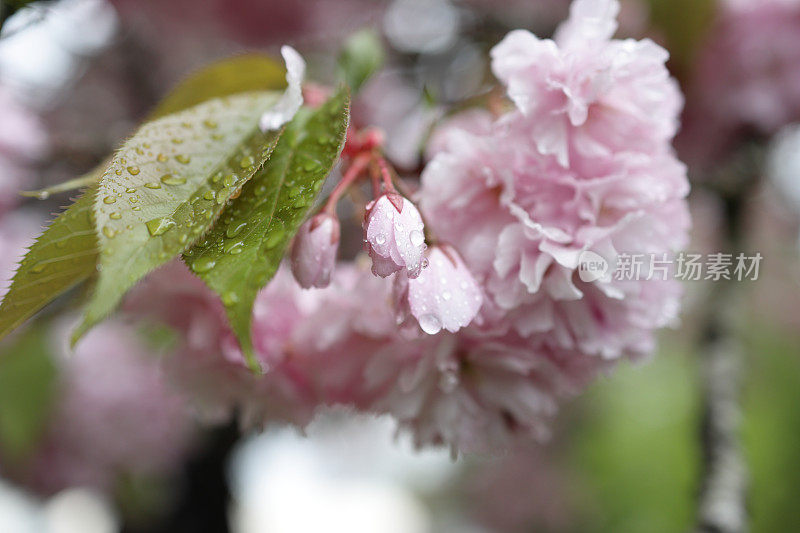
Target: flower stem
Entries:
(358, 165)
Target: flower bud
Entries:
(444, 296)
(314, 251)
(395, 236)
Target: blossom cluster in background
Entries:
(112, 382)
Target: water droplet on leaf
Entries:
(169, 179)
(235, 230)
(234, 248)
(159, 226)
(204, 264)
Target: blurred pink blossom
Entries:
(209, 366)
(114, 413)
(342, 346)
(748, 73)
(22, 141)
(527, 489)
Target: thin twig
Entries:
(722, 506)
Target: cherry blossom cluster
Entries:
(466, 318)
(431, 285)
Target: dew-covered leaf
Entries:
(167, 185)
(234, 75)
(239, 74)
(242, 252)
(63, 256)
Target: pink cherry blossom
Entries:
(313, 345)
(341, 345)
(444, 296)
(474, 392)
(314, 251)
(584, 94)
(394, 235)
(583, 164)
(209, 366)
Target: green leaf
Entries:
(361, 56)
(68, 249)
(239, 74)
(167, 185)
(27, 389)
(241, 254)
(63, 256)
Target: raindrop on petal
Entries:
(416, 237)
(430, 324)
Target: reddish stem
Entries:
(375, 175)
(350, 176)
(388, 186)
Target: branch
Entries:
(203, 499)
(722, 506)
